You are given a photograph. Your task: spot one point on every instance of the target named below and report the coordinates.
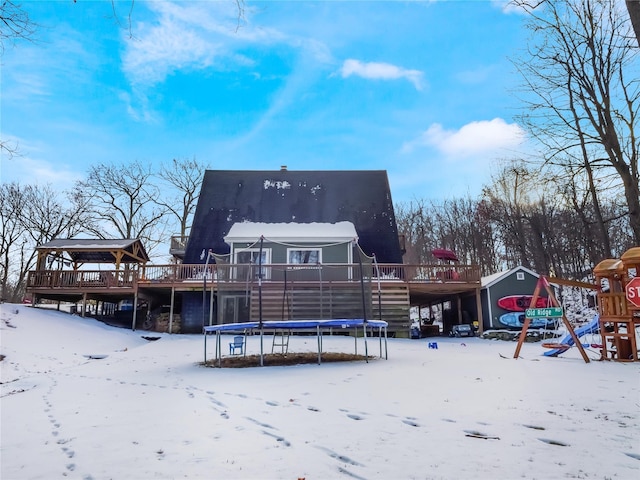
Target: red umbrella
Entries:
(444, 254)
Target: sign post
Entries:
(550, 312)
(633, 292)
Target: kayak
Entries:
(516, 320)
(519, 303)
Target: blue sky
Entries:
(422, 89)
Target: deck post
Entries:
(211, 305)
(135, 311)
(479, 310)
(173, 291)
(84, 304)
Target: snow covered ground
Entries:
(466, 410)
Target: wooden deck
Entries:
(427, 279)
(391, 289)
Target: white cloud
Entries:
(481, 137)
(26, 169)
(381, 71)
(201, 35)
(164, 48)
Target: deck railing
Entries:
(235, 274)
(178, 245)
(81, 279)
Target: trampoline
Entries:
(299, 325)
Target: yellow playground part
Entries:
(619, 316)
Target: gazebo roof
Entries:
(81, 250)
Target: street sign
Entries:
(633, 291)
(553, 312)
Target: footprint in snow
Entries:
(341, 458)
(534, 427)
(554, 442)
(278, 438)
(476, 434)
(410, 422)
(265, 425)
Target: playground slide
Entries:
(591, 327)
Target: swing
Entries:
(556, 346)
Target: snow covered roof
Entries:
(291, 232)
(489, 280)
(86, 244)
(91, 250)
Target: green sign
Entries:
(553, 312)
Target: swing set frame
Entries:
(544, 282)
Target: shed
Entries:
(514, 286)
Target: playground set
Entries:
(618, 297)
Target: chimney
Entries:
(283, 168)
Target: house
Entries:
(362, 197)
(273, 245)
(230, 198)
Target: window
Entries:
(252, 257)
(304, 256)
(519, 275)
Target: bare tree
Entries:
(122, 200)
(15, 23)
(462, 225)
(185, 177)
(415, 221)
(582, 68)
(507, 197)
(30, 216)
(12, 242)
(46, 216)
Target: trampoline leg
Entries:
(319, 345)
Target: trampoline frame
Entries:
(318, 325)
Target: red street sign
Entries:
(633, 291)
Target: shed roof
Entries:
(292, 232)
(85, 250)
(494, 278)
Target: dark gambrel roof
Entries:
(82, 250)
(282, 196)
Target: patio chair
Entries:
(237, 344)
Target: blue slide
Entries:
(591, 327)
